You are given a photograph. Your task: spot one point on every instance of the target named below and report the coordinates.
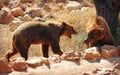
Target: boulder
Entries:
(54, 59)
(17, 11)
(91, 53)
(5, 16)
(4, 66)
(108, 51)
(70, 56)
(73, 5)
(34, 62)
(19, 64)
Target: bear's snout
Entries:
(86, 41)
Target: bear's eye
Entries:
(93, 32)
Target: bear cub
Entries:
(45, 33)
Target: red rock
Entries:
(17, 12)
(70, 56)
(5, 16)
(19, 64)
(4, 66)
(92, 53)
(108, 51)
(106, 54)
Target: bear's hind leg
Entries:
(23, 47)
(10, 54)
(45, 50)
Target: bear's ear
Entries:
(62, 28)
(97, 21)
(63, 23)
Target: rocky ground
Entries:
(70, 63)
(83, 67)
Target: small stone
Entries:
(92, 53)
(34, 62)
(19, 64)
(4, 66)
(108, 51)
(70, 56)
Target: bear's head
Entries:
(66, 29)
(95, 31)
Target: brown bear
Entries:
(98, 32)
(45, 33)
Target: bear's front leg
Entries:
(56, 48)
(45, 50)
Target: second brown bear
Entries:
(98, 32)
(47, 34)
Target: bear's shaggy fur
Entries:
(98, 32)
(47, 34)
